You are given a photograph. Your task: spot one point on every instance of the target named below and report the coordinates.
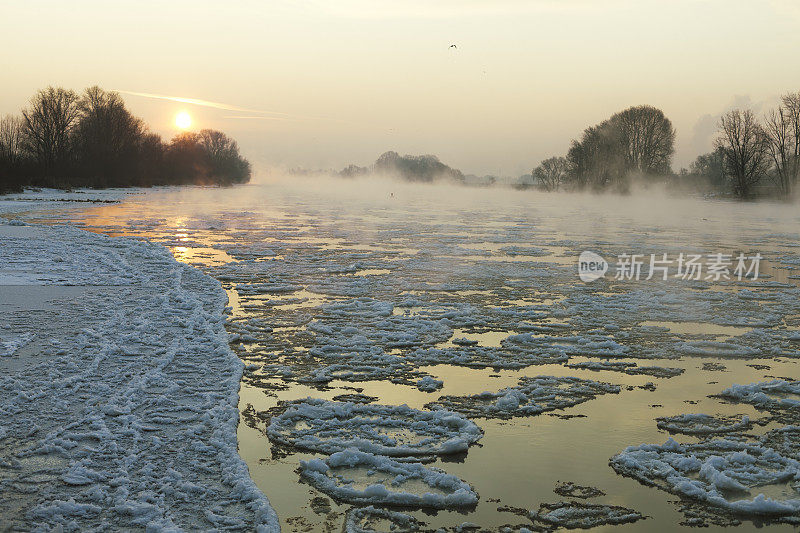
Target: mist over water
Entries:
(496, 267)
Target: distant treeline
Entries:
(750, 157)
(65, 140)
(422, 168)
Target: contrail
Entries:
(255, 117)
(257, 113)
(204, 103)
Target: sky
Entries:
(316, 84)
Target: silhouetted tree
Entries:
(425, 168)
(49, 119)
(648, 139)
(598, 160)
(186, 160)
(782, 128)
(551, 173)
(224, 160)
(11, 131)
(712, 167)
(744, 145)
(151, 166)
(351, 171)
(637, 141)
(94, 141)
(107, 140)
(11, 155)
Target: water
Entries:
(507, 261)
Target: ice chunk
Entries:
(582, 515)
(532, 396)
(393, 430)
(718, 472)
(702, 424)
(363, 478)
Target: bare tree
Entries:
(106, 138)
(743, 143)
(639, 140)
(49, 120)
(551, 173)
(782, 126)
(217, 145)
(11, 139)
(779, 145)
(647, 137)
(712, 167)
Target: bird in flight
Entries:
(453, 46)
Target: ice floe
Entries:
(372, 519)
(582, 515)
(391, 430)
(703, 424)
(728, 473)
(532, 396)
(363, 478)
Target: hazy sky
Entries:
(321, 84)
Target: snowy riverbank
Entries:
(118, 390)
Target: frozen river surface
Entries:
(431, 351)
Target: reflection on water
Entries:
(460, 278)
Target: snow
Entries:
(703, 424)
(363, 520)
(363, 478)
(628, 368)
(532, 396)
(429, 384)
(392, 430)
(574, 515)
(713, 470)
(775, 395)
(126, 416)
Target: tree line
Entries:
(638, 143)
(62, 139)
(420, 168)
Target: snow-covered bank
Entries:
(118, 390)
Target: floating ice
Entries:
(428, 384)
(581, 515)
(777, 396)
(374, 519)
(629, 368)
(702, 424)
(363, 478)
(726, 473)
(533, 395)
(392, 430)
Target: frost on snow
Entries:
(392, 430)
(737, 473)
(126, 415)
(728, 473)
(363, 478)
(628, 368)
(532, 396)
(371, 519)
(781, 398)
(702, 424)
(582, 515)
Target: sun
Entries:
(183, 120)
